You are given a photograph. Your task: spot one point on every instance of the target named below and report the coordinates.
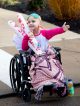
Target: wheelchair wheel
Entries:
(16, 69)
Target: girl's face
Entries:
(33, 23)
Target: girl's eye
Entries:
(33, 21)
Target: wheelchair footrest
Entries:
(47, 87)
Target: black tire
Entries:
(60, 91)
(26, 95)
(16, 69)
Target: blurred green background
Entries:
(23, 5)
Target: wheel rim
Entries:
(16, 67)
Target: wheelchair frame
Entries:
(19, 74)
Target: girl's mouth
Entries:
(31, 26)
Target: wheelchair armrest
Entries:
(57, 53)
(22, 52)
(26, 52)
(58, 49)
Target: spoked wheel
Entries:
(16, 69)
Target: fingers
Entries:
(64, 23)
(30, 34)
(68, 26)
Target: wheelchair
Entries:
(19, 74)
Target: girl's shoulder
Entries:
(43, 30)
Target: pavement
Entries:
(70, 54)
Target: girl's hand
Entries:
(30, 34)
(65, 27)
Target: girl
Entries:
(45, 69)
